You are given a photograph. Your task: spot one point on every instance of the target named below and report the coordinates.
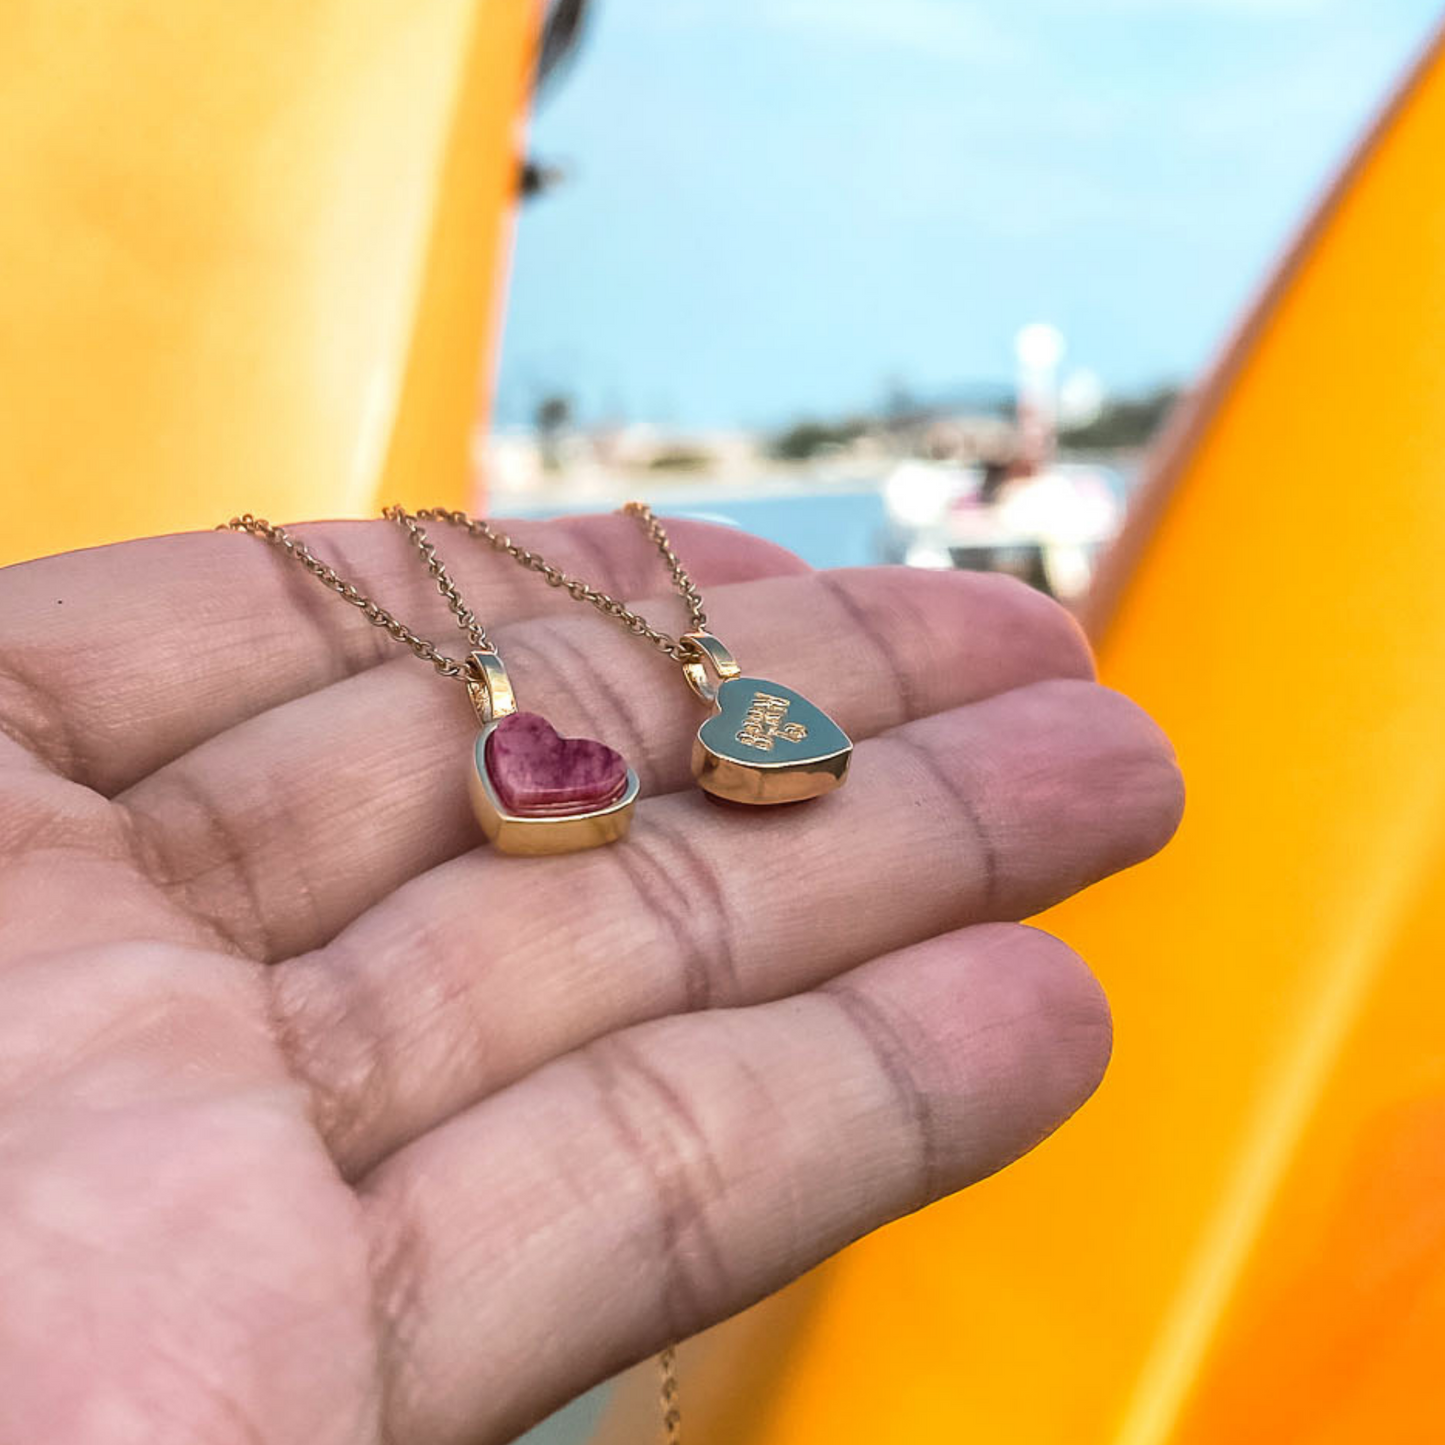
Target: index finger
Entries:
(115, 660)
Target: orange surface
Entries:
(1243, 1237)
(249, 255)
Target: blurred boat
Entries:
(1047, 528)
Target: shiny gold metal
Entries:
(768, 744)
(538, 837)
(708, 655)
(489, 688)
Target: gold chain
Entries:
(373, 611)
(668, 1397)
(580, 591)
(675, 647)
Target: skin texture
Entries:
(321, 1124)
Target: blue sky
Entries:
(781, 207)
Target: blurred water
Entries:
(825, 528)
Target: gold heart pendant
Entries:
(765, 743)
(768, 744)
(535, 792)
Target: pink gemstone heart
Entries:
(537, 773)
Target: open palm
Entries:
(320, 1122)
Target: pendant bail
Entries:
(489, 687)
(705, 658)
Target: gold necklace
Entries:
(764, 743)
(491, 695)
(533, 791)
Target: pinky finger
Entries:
(669, 1175)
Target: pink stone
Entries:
(536, 772)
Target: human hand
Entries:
(320, 1122)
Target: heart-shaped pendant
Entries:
(534, 791)
(537, 773)
(768, 744)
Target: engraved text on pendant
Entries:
(768, 744)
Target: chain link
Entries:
(668, 1392)
(580, 591)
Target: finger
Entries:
(663, 1178)
(284, 829)
(479, 972)
(118, 659)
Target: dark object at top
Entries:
(561, 32)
